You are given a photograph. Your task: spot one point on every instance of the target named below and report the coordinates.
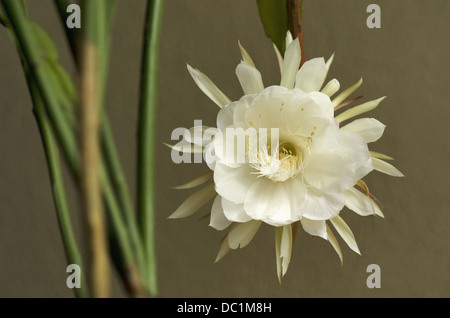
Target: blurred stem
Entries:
(2, 19)
(147, 117)
(91, 101)
(295, 11)
(62, 209)
(116, 175)
(72, 34)
(64, 131)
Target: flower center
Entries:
(280, 163)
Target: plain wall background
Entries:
(406, 60)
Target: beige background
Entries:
(407, 60)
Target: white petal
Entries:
(249, 78)
(324, 103)
(283, 249)
(242, 233)
(333, 241)
(369, 129)
(358, 202)
(289, 38)
(311, 75)
(291, 64)
(224, 249)
(225, 116)
(329, 62)
(296, 192)
(386, 168)
(331, 88)
(342, 96)
(330, 171)
(315, 228)
(194, 202)
(234, 212)
(200, 135)
(345, 232)
(204, 177)
(233, 183)
(378, 155)
(358, 110)
(245, 56)
(208, 87)
(377, 209)
(279, 58)
(218, 219)
(267, 201)
(322, 206)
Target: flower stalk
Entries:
(295, 11)
(147, 120)
(91, 101)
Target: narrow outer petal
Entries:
(249, 78)
(311, 75)
(218, 219)
(369, 129)
(208, 87)
(291, 64)
(315, 228)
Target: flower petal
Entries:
(242, 233)
(291, 64)
(311, 76)
(200, 135)
(223, 250)
(334, 242)
(331, 88)
(203, 178)
(267, 201)
(358, 202)
(233, 183)
(194, 202)
(245, 56)
(208, 87)
(283, 249)
(218, 219)
(345, 232)
(234, 212)
(249, 78)
(358, 110)
(315, 228)
(322, 206)
(386, 168)
(342, 96)
(369, 129)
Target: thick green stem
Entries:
(28, 48)
(62, 209)
(111, 158)
(146, 158)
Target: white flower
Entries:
(308, 175)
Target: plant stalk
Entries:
(147, 122)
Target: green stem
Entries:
(62, 210)
(64, 131)
(30, 50)
(146, 159)
(121, 189)
(116, 175)
(73, 35)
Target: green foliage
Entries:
(273, 14)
